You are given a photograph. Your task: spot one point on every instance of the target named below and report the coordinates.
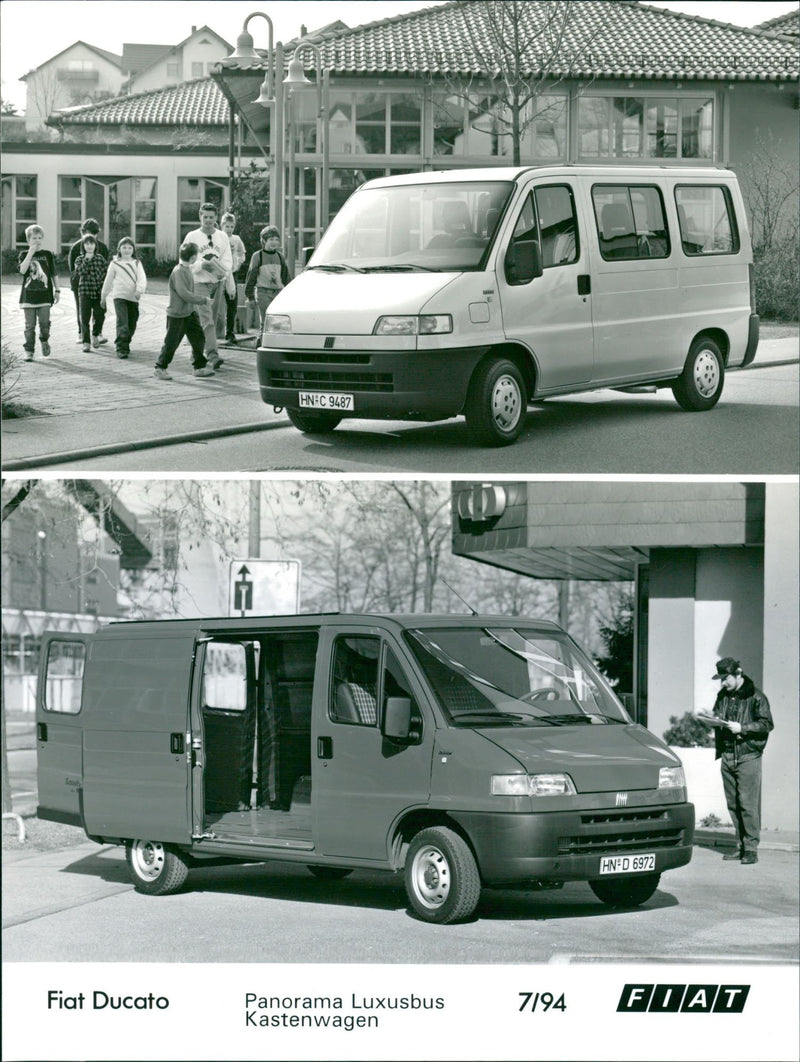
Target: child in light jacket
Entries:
(126, 283)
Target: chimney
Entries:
(194, 29)
(303, 31)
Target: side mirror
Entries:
(523, 261)
(397, 718)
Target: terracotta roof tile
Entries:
(190, 103)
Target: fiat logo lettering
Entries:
(622, 800)
(483, 502)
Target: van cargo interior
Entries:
(256, 715)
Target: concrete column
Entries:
(670, 679)
(781, 664)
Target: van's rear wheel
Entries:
(699, 386)
(155, 868)
(330, 873)
(313, 421)
(496, 403)
(626, 892)
(441, 874)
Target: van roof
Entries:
(514, 173)
(330, 619)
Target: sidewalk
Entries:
(92, 404)
(96, 403)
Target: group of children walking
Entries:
(202, 279)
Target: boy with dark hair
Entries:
(267, 273)
(39, 291)
(90, 273)
(182, 319)
(88, 228)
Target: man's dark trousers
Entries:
(742, 783)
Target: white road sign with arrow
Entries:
(264, 587)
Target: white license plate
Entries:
(628, 864)
(326, 400)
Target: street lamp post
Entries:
(270, 96)
(296, 78)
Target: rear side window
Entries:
(225, 677)
(64, 677)
(630, 222)
(706, 219)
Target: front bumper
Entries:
(389, 384)
(567, 845)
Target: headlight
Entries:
(532, 785)
(277, 322)
(424, 325)
(671, 778)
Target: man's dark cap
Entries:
(726, 666)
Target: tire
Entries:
(496, 403)
(441, 876)
(626, 892)
(700, 384)
(315, 422)
(156, 869)
(330, 873)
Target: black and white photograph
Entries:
(400, 552)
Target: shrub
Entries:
(777, 279)
(711, 821)
(687, 732)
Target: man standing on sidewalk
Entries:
(740, 744)
(213, 264)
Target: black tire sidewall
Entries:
(464, 881)
(172, 877)
(625, 892)
(684, 388)
(478, 407)
(313, 422)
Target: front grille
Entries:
(327, 359)
(622, 831)
(316, 380)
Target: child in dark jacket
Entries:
(90, 271)
(267, 273)
(182, 319)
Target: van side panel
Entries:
(137, 749)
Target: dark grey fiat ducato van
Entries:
(464, 751)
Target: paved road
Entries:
(78, 906)
(753, 430)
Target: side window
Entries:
(706, 219)
(225, 677)
(395, 684)
(354, 686)
(558, 225)
(64, 677)
(630, 222)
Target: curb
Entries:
(62, 457)
(706, 838)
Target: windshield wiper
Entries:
(490, 718)
(337, 267)
(401, 267)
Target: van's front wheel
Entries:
(155, 868)
(626, 892)
(442, 879)
(496, 403)
(699, 386)
(313, 421)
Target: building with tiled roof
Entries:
(787, 25)
(629, 82)
(156, 66)
(80, 73)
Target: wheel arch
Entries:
(421, 819)
(719, 336)
(516, 353)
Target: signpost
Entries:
(264, 587)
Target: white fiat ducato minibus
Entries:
(475, 292)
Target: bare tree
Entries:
(522, 50)
(44, 93)
(770, 183)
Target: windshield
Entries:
(503, 676)
(406, 228)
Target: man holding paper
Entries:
(742, 721)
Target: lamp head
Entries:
(244, 48)
(296, 74)
(265, 97)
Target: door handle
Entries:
(584, 284)
(324, 748)
(176, 744)
(41, 731)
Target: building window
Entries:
(197, 69)
(121, 206)
(19, 206)
(194, 191)
(480, 127)
(174, 70)
(635, 127)
(80, 65)
(375, 123)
